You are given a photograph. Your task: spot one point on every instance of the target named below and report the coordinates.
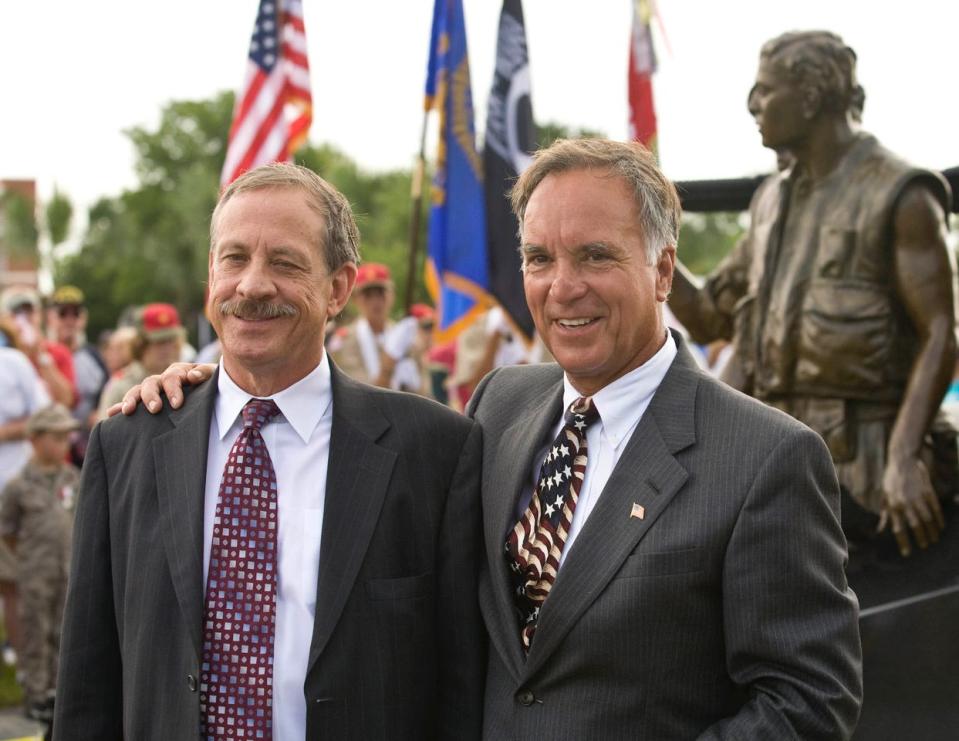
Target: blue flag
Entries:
(457, 274)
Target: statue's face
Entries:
(776, 102)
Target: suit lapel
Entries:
(504, 479)
(647, 474)
(180, 457)
(359, 474)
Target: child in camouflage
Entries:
(36, 520)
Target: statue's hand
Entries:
(170, 382)
(909, 503)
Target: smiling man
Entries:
(290, 554)
(664, 555)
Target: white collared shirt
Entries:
(621, 406)
(21, 394)
(298, 440)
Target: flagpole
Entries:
(416, 208)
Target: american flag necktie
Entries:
(535, 544)
(236, 674)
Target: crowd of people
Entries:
(403, 354)
(55, 385)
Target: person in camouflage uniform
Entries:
(36, 520)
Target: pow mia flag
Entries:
(510, 139)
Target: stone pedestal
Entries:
(910, 638)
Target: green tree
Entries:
(381, 204)
(705, 239)
(20, 232)
(151, 243)
(57, 216)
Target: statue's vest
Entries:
(821, 305)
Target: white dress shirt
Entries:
(621, 406)
(298, 440)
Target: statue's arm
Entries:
(707, 310)
(924, 276)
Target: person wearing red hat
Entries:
(160, 337)
(374, 349)
(357, 348)
(403, 360)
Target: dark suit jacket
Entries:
(723, 613)
(397, 651)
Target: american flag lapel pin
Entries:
(638, 511)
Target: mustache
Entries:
(244, 308)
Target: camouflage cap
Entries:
(54, 418)
(68, 296)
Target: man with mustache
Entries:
(289, 554)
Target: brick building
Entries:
(17, 267)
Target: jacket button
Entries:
(191, 682)
(525, 697)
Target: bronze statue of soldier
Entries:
(839, 300)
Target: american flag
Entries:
(275, 109)
(535, 545)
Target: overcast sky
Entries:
(76, 74)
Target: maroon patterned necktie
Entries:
(535, 544)
(236, 674)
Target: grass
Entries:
(10, 692)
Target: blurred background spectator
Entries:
(67, 323)
(36, 521)
(158, 342)
(21, 394)
(52, 360)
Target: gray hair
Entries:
(657, 202)
(821, 61)
(342, 241)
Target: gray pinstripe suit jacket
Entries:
(723, 614)
(398, 649)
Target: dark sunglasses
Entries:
(64, 311)
(23, 309)
(377, 291)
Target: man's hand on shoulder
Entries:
(170, 382)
